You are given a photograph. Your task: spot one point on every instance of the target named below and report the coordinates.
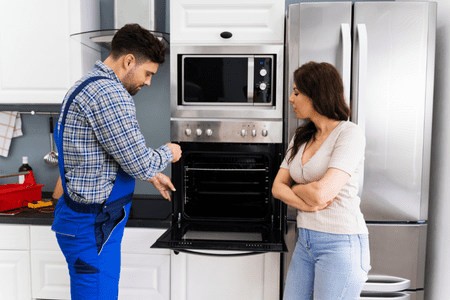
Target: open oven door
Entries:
(257, 238)
(223, 200)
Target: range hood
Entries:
(104, 37)
(141, 12)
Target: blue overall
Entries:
(90, 235)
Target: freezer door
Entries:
(316, 31)
(397, 255)
(392, 100)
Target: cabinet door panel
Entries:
(14, 275)
(202, 21)
(255, 277)
(144, 277)
(50, 275)
(39, 61)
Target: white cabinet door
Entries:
(14, 262)
(255, 277)
(145, 272)
(39, 61)
(14, 275)
(49, 272)
(249, 22)
(144, 277)
(50, 275)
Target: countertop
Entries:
(151, 211)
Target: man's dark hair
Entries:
(133, 39)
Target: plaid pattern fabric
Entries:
(102, 133)
(10, 127)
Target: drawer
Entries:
(14, 237)
(139, 240)
(43, 238)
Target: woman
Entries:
(319, 177)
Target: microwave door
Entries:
(198, 236)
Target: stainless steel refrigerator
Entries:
(385, 53)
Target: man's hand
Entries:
(163, 184)
(176, 151)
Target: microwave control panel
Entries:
(229, 131)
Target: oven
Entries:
(226, 114)
(223, 199)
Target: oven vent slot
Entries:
(176, 244)
(260, 246)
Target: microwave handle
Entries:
(217, 254)
(250, 79)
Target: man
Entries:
(101, 152)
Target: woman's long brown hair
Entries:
(322, 83)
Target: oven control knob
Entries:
(263, 72)
(198, 132)
(254, 132)
(243, 132)
(262, 86)
(265, 132)
(209, 132)
(188, 132)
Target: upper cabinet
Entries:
(227, 22)
(39, 61)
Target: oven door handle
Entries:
(217, 254)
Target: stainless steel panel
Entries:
(290, 239)
(226, 130)
(313, 33)
(396, 107)
(398, 250)
(224, 111)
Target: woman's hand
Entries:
(163, 184)
(319, 207)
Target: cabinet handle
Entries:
(226, 34)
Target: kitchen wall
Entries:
(152, 109)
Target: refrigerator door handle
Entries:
(346, 59)
(391, 296)
(360, 98)
(382, 283)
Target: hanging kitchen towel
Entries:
(10, 126)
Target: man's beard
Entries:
(129, 85)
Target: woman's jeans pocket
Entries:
(365, 253)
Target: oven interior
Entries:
(231, 186)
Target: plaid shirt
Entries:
(102, 133)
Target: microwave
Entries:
(230, 80)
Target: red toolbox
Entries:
(16, 195)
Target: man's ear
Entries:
(129, 61)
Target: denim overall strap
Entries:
(58, 135)
(124, 184)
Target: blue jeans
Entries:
(327, 266)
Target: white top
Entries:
(344, 150)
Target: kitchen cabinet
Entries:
(255, 277)
(39, 60)
(14, 262)
(145, 273)
(49, 274)
(211, 22)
